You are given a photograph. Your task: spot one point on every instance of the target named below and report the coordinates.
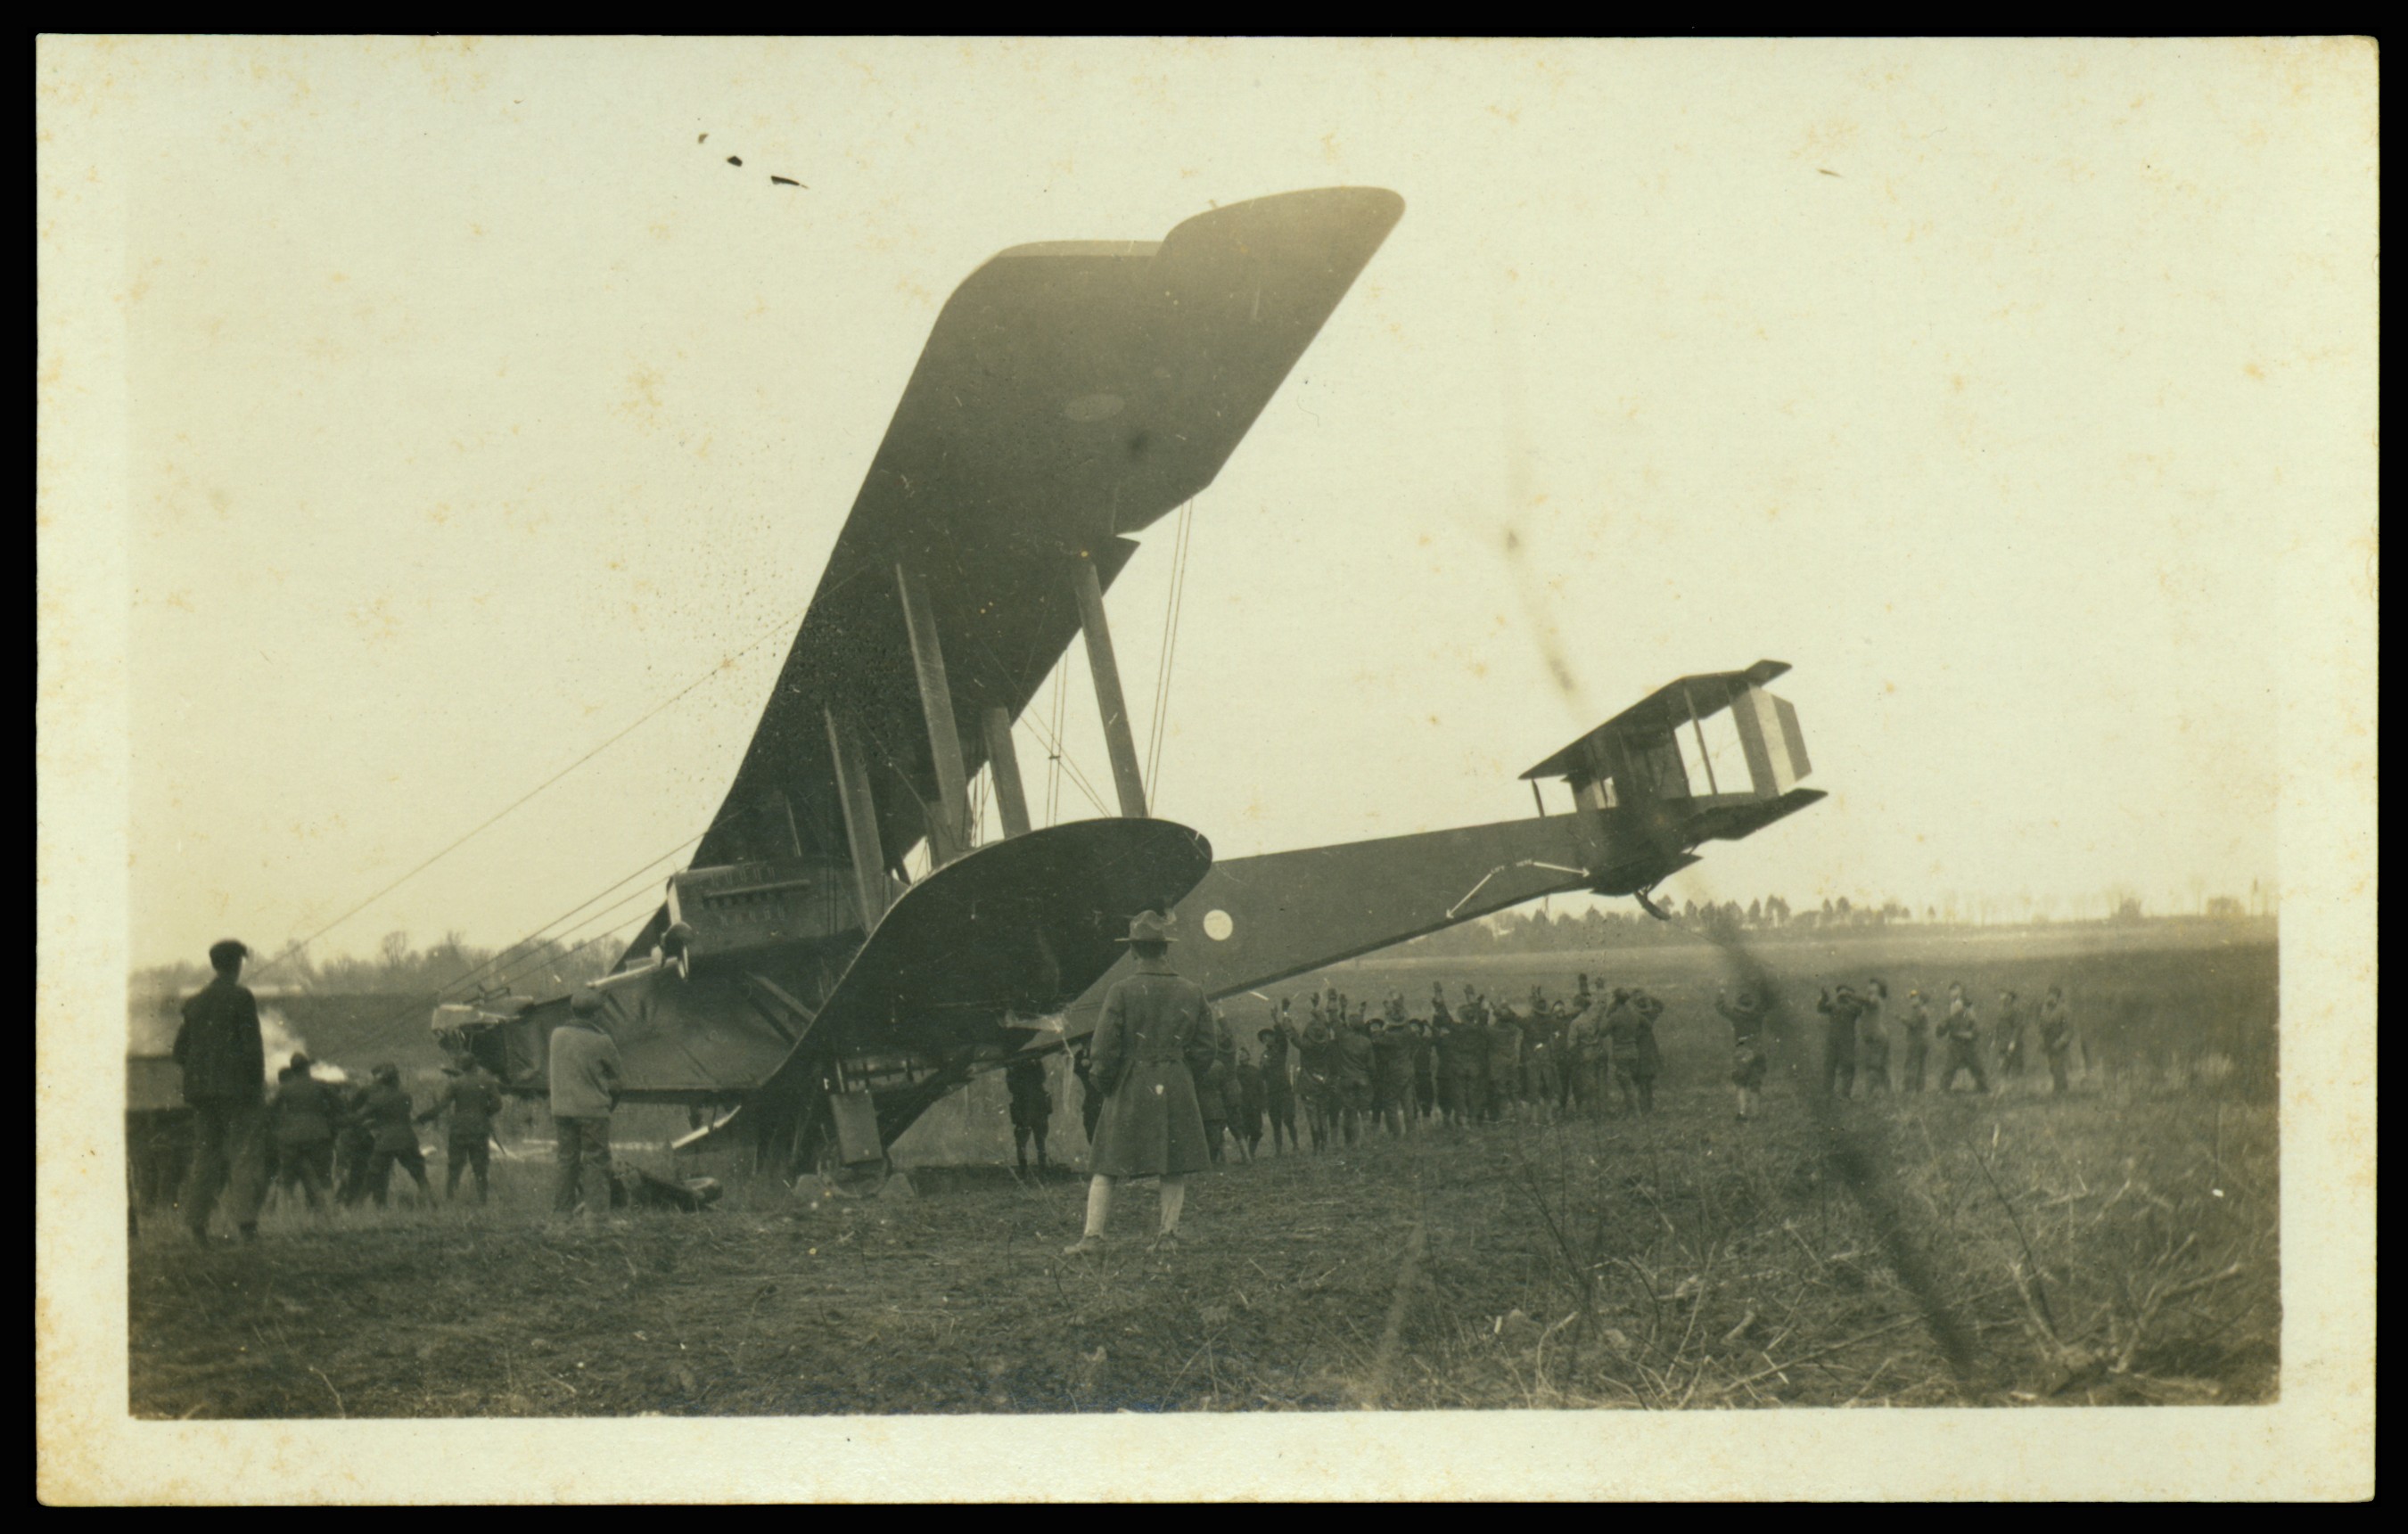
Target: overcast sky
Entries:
(476, 407)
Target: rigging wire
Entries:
(1174, 609)
(725, 665)
(1053, 757)
(1060, 752)
(510, 956)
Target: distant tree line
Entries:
(454, 969)
(1537, 930)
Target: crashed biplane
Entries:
(799, 983)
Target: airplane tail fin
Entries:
(1710, 757)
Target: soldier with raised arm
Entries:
(1748, 1057)
(1153, 1041)
(1961, 1030)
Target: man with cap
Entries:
(585, 1076)
(472, 1098)
(1153, 1042)
(225, 1081)
(386, 1113)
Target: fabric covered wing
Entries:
(1069, 394)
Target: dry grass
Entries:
(2101, 1248)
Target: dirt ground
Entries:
(2116, 1246)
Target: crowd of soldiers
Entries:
(327, 1142)
(1334, 1069)
(1857, 1039)
(332, 1143)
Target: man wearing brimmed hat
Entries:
(225, 1081)
(1153, 1044)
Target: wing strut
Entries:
(1117, 734)
(949, 826)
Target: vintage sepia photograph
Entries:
(967, 741)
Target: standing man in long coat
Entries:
(225, 1081)
(1151, 1046)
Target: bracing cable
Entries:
(783, 626)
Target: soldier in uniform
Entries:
(471, 1099)
(1153, 1041)
(2056, 1039)
(2010, 1037)
(1233, 1086)
(1873, 1037)
(1915, 1019)
(1504, 1034)
(1584, 1041)
(355, 1144)
(386, 1111)
(1472, 1020)
(1961, 1029)
(1316, 1080)
(1212, 1087)
(1630, 1037)
(225, 1081)
(1279, 1089)
(304, 1113)
(1392, 1078)
(1748, 1054)
(585, 1076)
(1421, 1054)
(1248, 1125)
(1840, 1012)
(1354, 1079)
(1032, 1110)
(1444, 1047)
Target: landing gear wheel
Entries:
(851, 1178)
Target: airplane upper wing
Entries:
(1069, 394)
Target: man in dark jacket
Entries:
(1840, 1008)
(1153, 1042)
(1279, 1089)
(1392, 1078)
(386, 1111)
(1353, 1078)
(471, 1097)
(1032, 1109)
(225, 1081)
